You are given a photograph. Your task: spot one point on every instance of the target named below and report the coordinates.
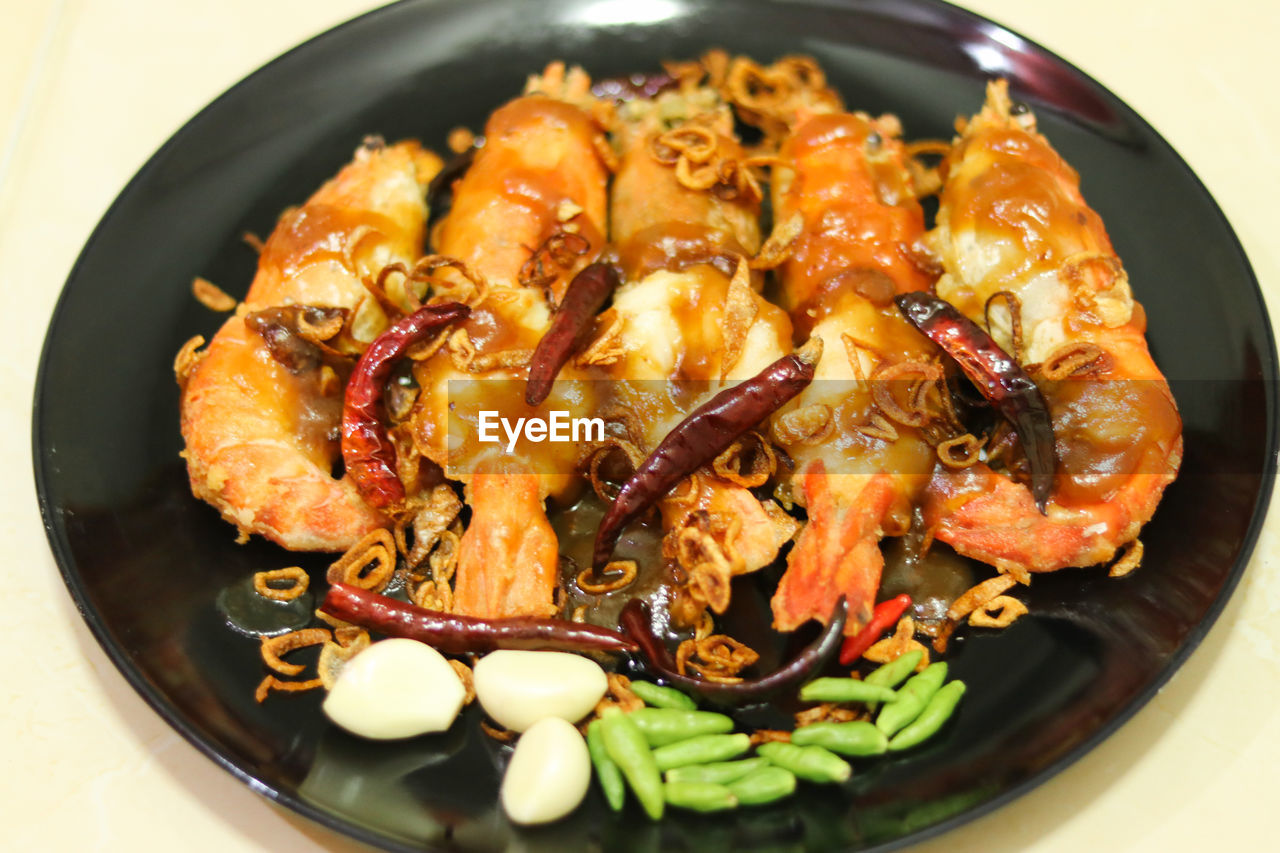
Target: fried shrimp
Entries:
(260, 420)
(857, 434)
(1012, 221)
(526, 217)
(685, 221)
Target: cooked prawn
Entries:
(691, 319)
(861, 459)
(538, 175)
(261, 439)
(1012, 220)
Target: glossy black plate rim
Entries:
(161, 705)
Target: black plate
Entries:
(145, 562)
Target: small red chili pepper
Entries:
(635, 623)
(703, 436)
(367, 452)
(455, 634)
(997, 375)
(883, 617)
(582, 299)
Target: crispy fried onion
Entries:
(709, 560)
(264, 583)
(348, 642)
(925, 180)
(272, 683)
(1014, 306)
(828, 712)
(811, 424)
(616, 575)
(1000, 612)
(960, 452)
(608, 347)
(748, 462)
(703, 163)
(619, 695)
(462, 285)
(433, 589)
(1075, 361)
(548, 262)
(1130, 560)
(299, 336)
(978, 596)
(274, 648)
(781, 240)
(211, 296)
(188, 358)
(426, 520)
(717, 657)
(760, 736)
(468, 679)
(902, 641)
(916, 378)
(739, 312)
(770, 97)
(368, 564)
(601, 454)
(464, 355)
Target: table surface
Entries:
(90, 766)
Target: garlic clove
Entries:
(395, 688)
(519, 688)
(548, 774)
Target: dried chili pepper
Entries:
(997, 375)
(633, 87)
(455, 634)
(582, 299)
(634, 621)
(367, 451)
(885, 615)
(702, 436)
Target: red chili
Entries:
(701, 437)
(456, 634)
(582, 299)
(634, 621)
(883, 617)
(998, 376)
(367, 452)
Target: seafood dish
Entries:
(641, 347)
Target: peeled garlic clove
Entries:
(548, 774)
(520, 688)
(395, 688)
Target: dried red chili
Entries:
(701, 437)
(455, 634)
(883, 617)
(997, 375)
(635, 623)
(367, 451)
(582, 299)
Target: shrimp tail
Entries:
(836, 554)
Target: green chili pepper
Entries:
(932, 718)
(808, 762)
(700, 796)
(912, 698)
(763, 786)
(608, 774)
(719, 772)
(629, 750)
(845, 690)
(658, 696)
(854, 738)
(662, 726)
(895, 671)
(700, 750)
